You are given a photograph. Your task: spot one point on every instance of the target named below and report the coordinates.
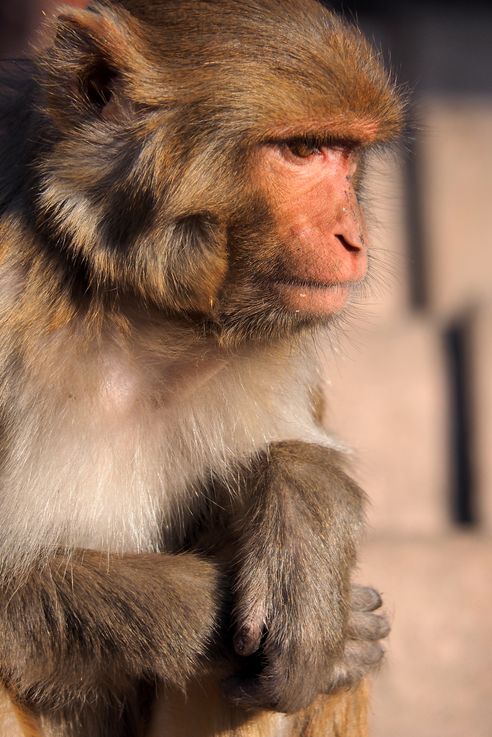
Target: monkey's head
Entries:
(207, 155)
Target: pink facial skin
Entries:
(319, 220)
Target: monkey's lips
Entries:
(311, 297)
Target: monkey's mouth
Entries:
(308, 296)
(312, 284)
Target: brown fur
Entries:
(78, 636)
(303, 504)
(171, 170)
(155, 397)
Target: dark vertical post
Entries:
(462, 505)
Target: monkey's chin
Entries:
(314, 299)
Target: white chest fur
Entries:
(110, 445)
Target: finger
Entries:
(363, 654)
(365, 598)
(360, 658)
(249, 617)
(367, 626)
(248, 639)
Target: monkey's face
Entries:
(319, 222)
(310, 249)
(206, 156)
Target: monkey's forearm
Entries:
(297, 539)
(305, 516)
(90, 621)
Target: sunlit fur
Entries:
(111, 429)
(133, 247)
(154, 196)
(145, 361)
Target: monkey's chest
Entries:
(118, 480)
(115, 467)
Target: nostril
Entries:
(348, 245)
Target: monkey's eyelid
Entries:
(316, 142)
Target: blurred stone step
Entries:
(480, 377)
(384, 200)
(387, 398)
(456, 160)
(437, 680)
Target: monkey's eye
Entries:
(303, 149)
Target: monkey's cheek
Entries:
(322, 301)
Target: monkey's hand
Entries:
(300, 627)
(362, 650)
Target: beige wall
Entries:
(391, 398)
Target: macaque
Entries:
(180, 223)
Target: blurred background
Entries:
(410, 386)
(413, 396)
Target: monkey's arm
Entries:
(89, 621)
(295, 606)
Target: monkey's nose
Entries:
(352, 245)
(350, 227)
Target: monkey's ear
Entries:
(81, 72)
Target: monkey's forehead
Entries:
(271, 61)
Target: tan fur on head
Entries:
(169, 152)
